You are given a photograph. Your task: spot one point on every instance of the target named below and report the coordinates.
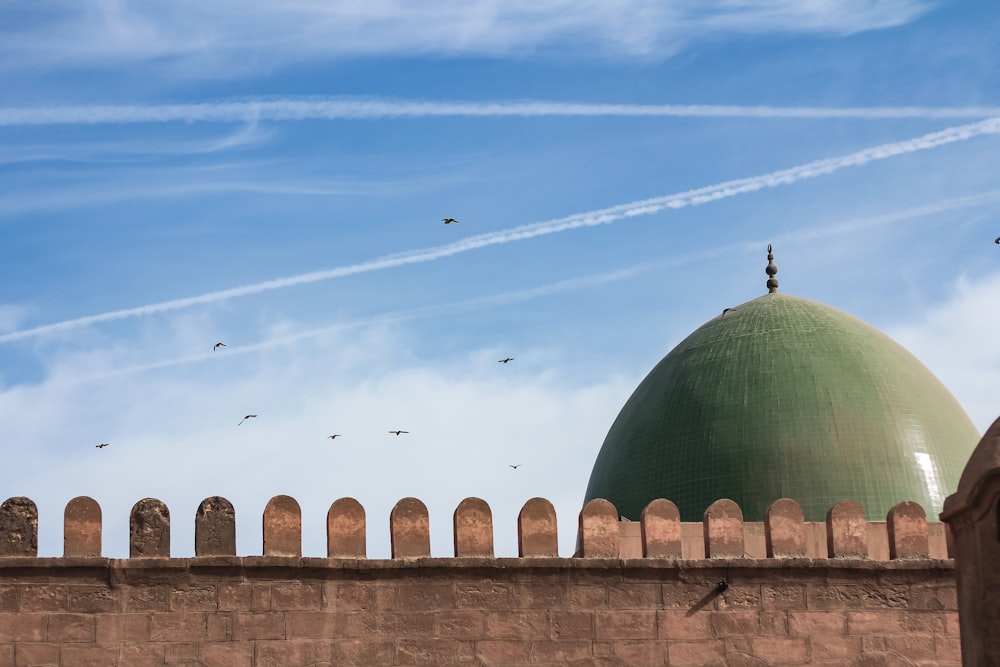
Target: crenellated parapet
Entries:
(658, 591)
(659, 534)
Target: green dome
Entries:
(783, 397)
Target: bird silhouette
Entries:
(217, 346)
(504, 361)
(246, 418)
(448, 221)
(515, 467)
(333, 437)
(997, 241)
(398, 432)
(102, 445)
(726, 310)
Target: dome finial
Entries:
(772, 282)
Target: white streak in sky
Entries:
(589, 219)
(386, 318)
(292, 109)
(581, 282)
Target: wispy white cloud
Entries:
(957, 340)
(13, 316)
(131, 152)
(605, 216)
(840, 16)
(255, 35)
(53, 198)
(351, 108)
(909, 213)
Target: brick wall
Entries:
(292, 612)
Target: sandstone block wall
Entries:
(293, 612)
(751, 595)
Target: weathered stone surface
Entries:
(282, 527)
(847, 531)
(973, 517)
(473, 529)
(536, 529)
(724, 530)
(539, 611)
(82, 526)
(18, 527)
(149, 529)
(598, 530)
(215, 528)
(907, 526)
(409, 529)
(346, 529)
(661, 530)
(545, 611)
(784, 530)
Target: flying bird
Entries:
(102, 445)
(726, 310)
(448, 221)
(217, 346)
(504, 361)
(398, 432)
(246, 418)
(997, 241)
(334, 436)
(513, 466)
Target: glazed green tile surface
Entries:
(783, 397)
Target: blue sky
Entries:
(274, 176)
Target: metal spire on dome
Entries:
(772, 282)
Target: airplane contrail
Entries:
(347, 108)
(385, 318)
(588, 219)
(580, 282)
